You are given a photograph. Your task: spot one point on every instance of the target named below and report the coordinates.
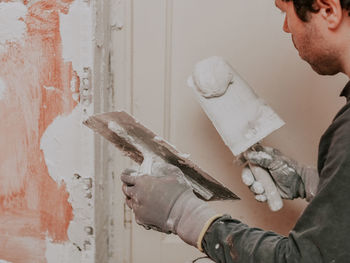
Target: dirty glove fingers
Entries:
(257, 188)
(260, 158)
(129, 193)
(261, 198)
(247, 176)
(269, 150)
(250, 181)
(129, 178)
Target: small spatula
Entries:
(241, 118)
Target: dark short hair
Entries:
(303, 7)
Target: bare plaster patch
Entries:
(76, 29)
(12, 25)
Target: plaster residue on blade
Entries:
(212, 76)
(136, 141)
(265, 122)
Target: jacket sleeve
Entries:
(229, 240)
(321, 234)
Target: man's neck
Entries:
(345, 57)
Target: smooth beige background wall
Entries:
(166, 39)
(249, 34)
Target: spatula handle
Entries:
(274, 199)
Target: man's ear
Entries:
(331, 11)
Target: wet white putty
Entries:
(146, 166)
(148, 157)
(12, 26)
(68, 150)
(212, 77)
(3, 89)
(77, 35)
(116, 128)
(259, 156)
(256, 126)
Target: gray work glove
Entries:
(164, 201)
(292, 180)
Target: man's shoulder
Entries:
(343, 115)
(336, 138)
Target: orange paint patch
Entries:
(32, 204)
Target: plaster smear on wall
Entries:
(35, 210)
(77, 38)
(69, 155)
(2, 91)
(12, 25)
(69, 162)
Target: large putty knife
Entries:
(144, 147)
(238, 114)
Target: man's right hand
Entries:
(164, 201)
(292, 180)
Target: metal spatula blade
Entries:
(135, 140)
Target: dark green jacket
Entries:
(322, 233)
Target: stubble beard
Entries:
(322, 59)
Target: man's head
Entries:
(303, 7)
(320, 31)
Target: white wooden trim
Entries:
(167, 67)
(121, 97)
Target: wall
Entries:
(46, 158)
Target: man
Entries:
(320, 31)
